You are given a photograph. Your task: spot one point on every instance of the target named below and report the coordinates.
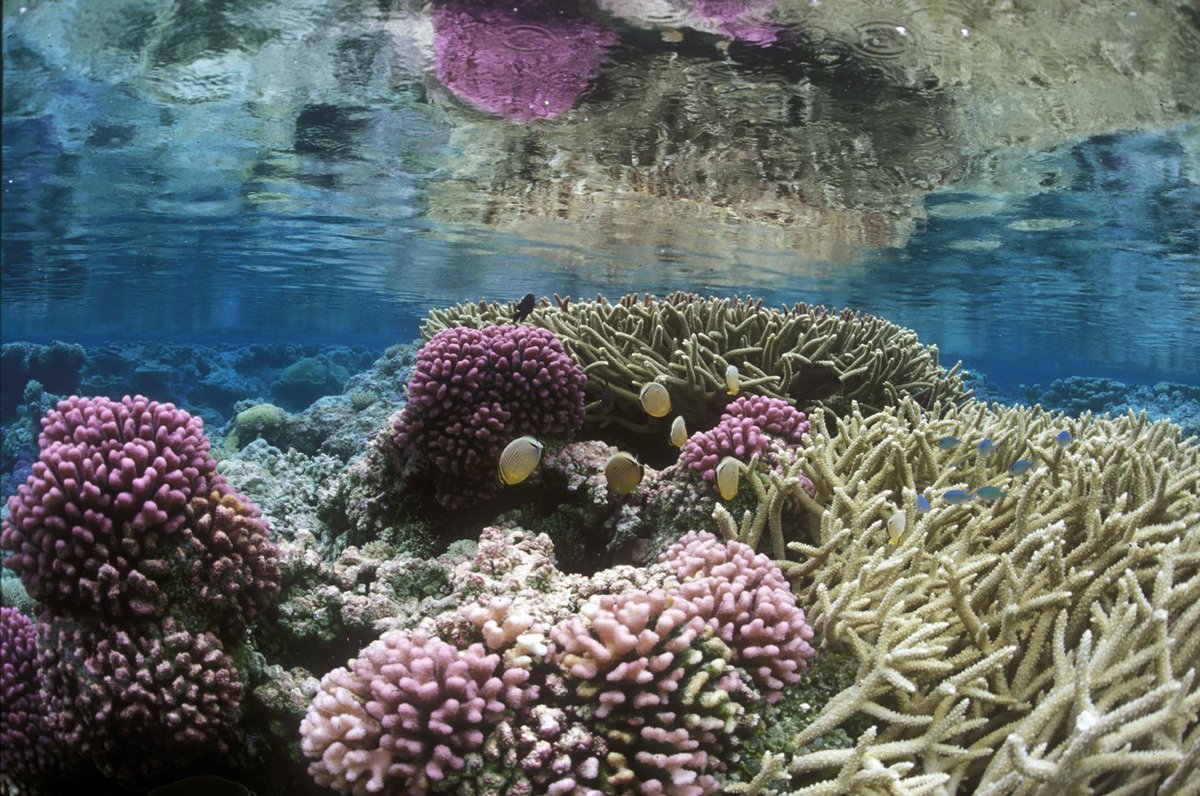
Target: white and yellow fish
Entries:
(655, 399)
(519, 459)
(679, 433)
(896, 524)
(733, 380)
(623, 472)
(729, 472)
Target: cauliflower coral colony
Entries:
(804, 561)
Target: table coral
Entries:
(686, 342)
(475, 390)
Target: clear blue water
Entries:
(254, 176)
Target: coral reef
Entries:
(646, 677)
(1179, 403)
(686, 342)
(1045, 640)
(55, 366)
(475, 390)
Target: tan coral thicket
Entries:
(1044, 643)
(686, 342)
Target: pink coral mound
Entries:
(403, 715)
(28, 748)
(748, 602)
(752, 425)
(105, 520)
(475, 390)
(139, 704)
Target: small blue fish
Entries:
(922, 504)
(989, 494)
(985, 447)
(1064, 438)
(956, 497)
(1020, 467)
(946, 443)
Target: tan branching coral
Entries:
(1044, 642)
(686, 342)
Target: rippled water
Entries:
(1018, 182)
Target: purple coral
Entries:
(404, 715)
(752, 425)
(473, 391)
(137, 704)
(522, 61)
(748, 602)
(104, 521)
(28, 748)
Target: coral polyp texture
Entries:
(633, 680)
(1043, 641)
(29, 749)
(752, 426)
(107, 523)
(475, 390)
(686, 342)
(403, 716)
(135, 704)
(748, 602)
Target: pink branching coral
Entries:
(138, 704)
(752, 425)
(404, 715)
(29, 750)
(475, 390)
(104, 525)
(748, 602)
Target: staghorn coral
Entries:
(124, 512)
(1042, 643)
(402, 716)
(138, 704)
(475, 390)
(686, 342)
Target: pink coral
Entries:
(746, 599)
(138, 704)
(752, 425)
(103, 523)
(475, 390)
(665, 695)
(402, 717)
(29, 751)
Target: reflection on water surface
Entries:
(962, 168)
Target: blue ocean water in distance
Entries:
(152, 203)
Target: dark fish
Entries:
(607, 399)
(1063, 438)
(815, 382)
(989, 494)
(947, 443)
(956, 497)
(922, 504)
(525, 307)
(204, 785)
(985, 448)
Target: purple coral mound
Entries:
(136, 703)
(105, 519)
(404, 715)
(748, 602)
(475, 390)
(751, 425)
(28, 748)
